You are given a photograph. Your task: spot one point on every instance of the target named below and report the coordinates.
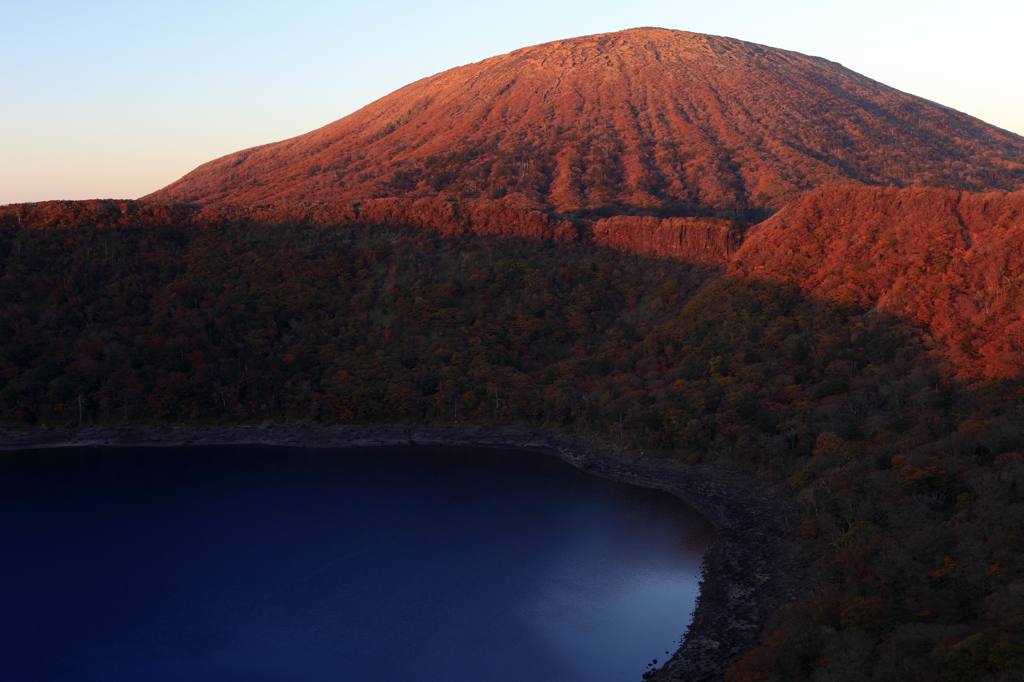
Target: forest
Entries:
(910, 482)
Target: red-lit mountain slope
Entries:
(644, 120)
(950, 261)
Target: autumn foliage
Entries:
(952, 262)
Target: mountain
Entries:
(648, 121)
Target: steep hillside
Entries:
(952, 262)
(645, 120)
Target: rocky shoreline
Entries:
(753, 566)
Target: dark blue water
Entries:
(253, 563)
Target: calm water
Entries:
(258, 564)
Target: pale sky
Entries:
(117, 98)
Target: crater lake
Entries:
(267, 563)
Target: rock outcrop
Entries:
(708, 241)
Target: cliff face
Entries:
(951, 261)
(699, 240)
(645, 120)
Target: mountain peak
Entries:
(645, 120)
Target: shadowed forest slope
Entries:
(951, 262)
(645, 120)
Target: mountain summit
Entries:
(643, 120)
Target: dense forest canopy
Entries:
(910, 483)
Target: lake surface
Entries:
(258, 564)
